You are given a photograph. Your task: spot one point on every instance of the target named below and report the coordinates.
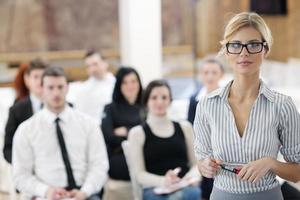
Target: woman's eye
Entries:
(236, 45)
(253, 45)
(153, 98)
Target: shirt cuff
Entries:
(41, 190)
(88, 190)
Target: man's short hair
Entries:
(37, 63)
(54, 71)
(91, 52)
(212, 61)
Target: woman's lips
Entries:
(244, 63)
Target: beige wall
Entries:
(212, 16)
(30, 26)
(22, 26)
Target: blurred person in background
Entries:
(210, 73)
(93, 94)
(25, 107)
(20, 87)
(59, 153)
(125, 112)
(162, 149)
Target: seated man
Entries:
(59, 153)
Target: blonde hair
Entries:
(247, 19)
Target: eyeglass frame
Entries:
(263, 44)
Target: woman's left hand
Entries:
(255, 170)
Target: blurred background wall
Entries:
(32, 25)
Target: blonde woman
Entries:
(239, 129)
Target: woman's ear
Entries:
(266, 51)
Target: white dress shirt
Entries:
(36, 103)
(37, 159)
(92, 95)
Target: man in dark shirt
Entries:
(26, 107)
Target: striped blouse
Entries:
(273, 125)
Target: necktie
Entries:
(65, 156)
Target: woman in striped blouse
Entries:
(239, 129)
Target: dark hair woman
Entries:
(162, 149)
(119, 117)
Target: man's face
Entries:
(96, 67)
(210, 74)
(54, 92)
(33, 81)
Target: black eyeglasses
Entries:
(252, 47)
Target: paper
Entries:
(177, 186)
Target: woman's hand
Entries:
(121, 131)
(171, 177)
(255, 170)
(209, 167)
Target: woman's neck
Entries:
(245, 87)
(131, 100)
(155, 119)
(160, 125)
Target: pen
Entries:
(230, 169)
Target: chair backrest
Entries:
(136, 187)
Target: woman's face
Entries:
(246, 63)
(159, 101)
(130, 86)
